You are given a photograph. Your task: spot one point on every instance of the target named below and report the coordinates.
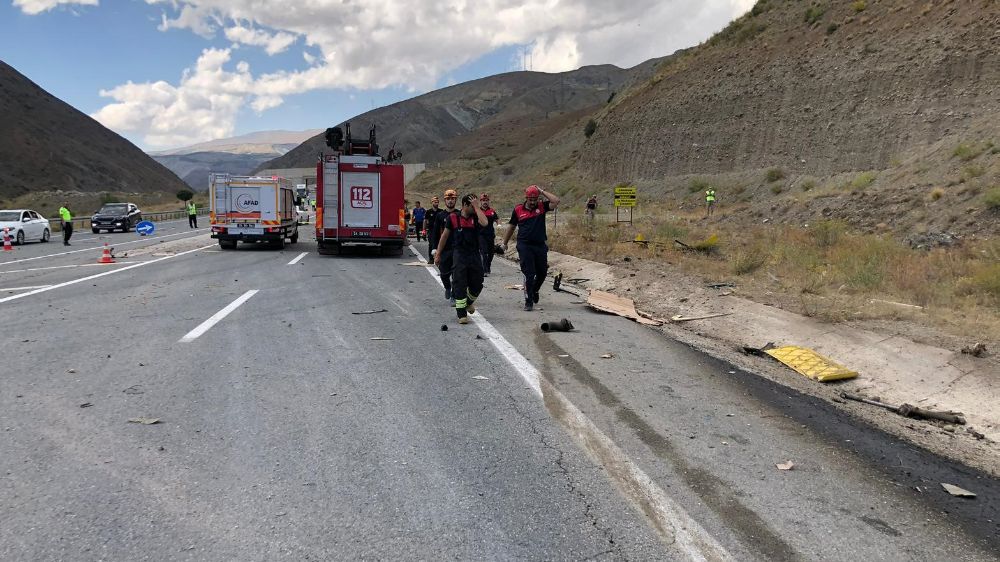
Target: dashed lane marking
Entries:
(12, 289)
(297, 258)
(217, 317)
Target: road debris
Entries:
(444, 327)
(608, 356)
(557, 286)
(758, 351)
(563, 325)
(910, 411)
(682, 318)
(481, 378)
(811, 364)
(71, 371)
(721, 285)
(975, 433)
(144, 421)
(894, 303)
(86, 405)
(414, 263)
(371, 311)
(514, 287)
(957, 492)
(977, 350)
(787, 465)
(134, 389)
(621, 306)
(381, 339)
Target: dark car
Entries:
(116, 216)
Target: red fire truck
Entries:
(359, 197)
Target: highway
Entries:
(312, 408)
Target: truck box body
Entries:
(359, 202)
(252, 209)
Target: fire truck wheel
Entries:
(227, 244)
(278, 244)
(330, 250)
(295, 237)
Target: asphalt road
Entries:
(290, 427)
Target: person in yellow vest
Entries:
(67, 223)
(709, 201)
(192, 214)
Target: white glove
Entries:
(433, 252)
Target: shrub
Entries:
(759, 8)
(832, 28)
(936, 194)
(590, 128)
(968, 151)
(697, 184)
(709, 245)
(971, 172)
(808, 185)
(777, 188)
(814, 13)
(185, 194)
(863, 180)
(774, 174)
(748, 260)
(828, 232)
(859, 6)
(987, 280)
(992, 199)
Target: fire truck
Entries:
(359, 196)
(252, 209)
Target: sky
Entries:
(170, 73)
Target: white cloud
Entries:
(411, 44)
(33, 7)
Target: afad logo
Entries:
(245, 203)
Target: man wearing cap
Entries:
(529, 220)
(488, 235)
(444, 251)
(461, 231)
(430, 219)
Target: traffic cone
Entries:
(106, 256)
(6, 240)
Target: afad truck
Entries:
(359, 197)
(252, 209)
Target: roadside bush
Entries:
(832, 28)
(777, 188)
(828, 232)
(748, 260)
(863, 180)
(936, 194)
(814, 13)
(971, 172)
(987, 280)
(774, 174)
(992, 199)
(808, 185)
(590, 128)
(709, 245)
(859, 6)
(968, 151)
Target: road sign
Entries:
(625, 200)
(145, 228)
(625, 190)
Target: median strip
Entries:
(217, 317)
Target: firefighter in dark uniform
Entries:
(529, 220)
(462, 232)
(488, 235)
(445, 250)
(430, 219)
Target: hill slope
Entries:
(47, 145)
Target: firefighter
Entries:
(529, 220)
(418, 220)
(430, 219)
(445, 250)
(462, 232)
(709, 201)
(488, 235)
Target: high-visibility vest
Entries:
(65, 214)
(710, 195)
(192, 209)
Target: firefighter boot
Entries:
(462, 316)
(471, 306)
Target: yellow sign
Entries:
(625, 190)
(624, 200)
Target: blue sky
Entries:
(166, 73)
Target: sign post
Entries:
(625, 197)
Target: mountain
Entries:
(441, 125)
(260, 142)
(46, 146)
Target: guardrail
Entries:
(84, 223)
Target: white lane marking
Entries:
(65, 266)
(688, 535)
(116, 244)
(24, 288)
(297, 258)
(215, 318)
(112, 272)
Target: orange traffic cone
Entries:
(6, 240)
(106, 256)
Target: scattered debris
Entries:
(608, 356)
(578, 280)
(682, 318)
(758, 351)
(481, 378)
(557, 286)
(444, 327)
(144, 421)
(563, 355)
(676, 241)
(910, 411)
(381, 339)
(414, 263)
(622, 306)
(478, 337)
(975, 433)
(134, 389)
(371, 311)
(563, 325)
(86, 405)
(894, 303)
(515, 287)
(956, 491)
(977, 350)
(787, 465)
(811, 364)
(71, 371)
(721, 285)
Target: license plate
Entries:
(246, 231)
(362, 233)
(246, 225)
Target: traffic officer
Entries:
(488, 235)
(192, 214)
(529, 220)
(430, 219)
(445, 250)
(709, 201)
(67, 223)
(462, 232)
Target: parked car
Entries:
(115, 216)
(23, 225)
(302, 215)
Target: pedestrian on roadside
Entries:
(192, 214)
(488, 235)
(709, 201)
(444, 251)
(418, 220)
(67, 223)
(462, 232)
(529, 220)
(430, 219)
(591, 207)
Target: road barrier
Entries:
(84, 223)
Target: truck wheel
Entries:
(329, 250)
(295, 237)
(227, 244)
(278, 244)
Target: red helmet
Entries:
(532, 191)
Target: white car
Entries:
(301, 215)
(23, 225)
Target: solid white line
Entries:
(66, 266)
(112, 272)
(215, 318)
(147, 238)
(24, 288)
(297, 258)
(688, 535)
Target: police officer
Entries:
(192, 214)
(445, 250)
(430, 219)
(709, 201)
(529, 220)
(488, 235)
(67, 223)
(462, 232)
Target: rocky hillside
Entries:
(46, 145)
(430, 128)
(195, 167)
